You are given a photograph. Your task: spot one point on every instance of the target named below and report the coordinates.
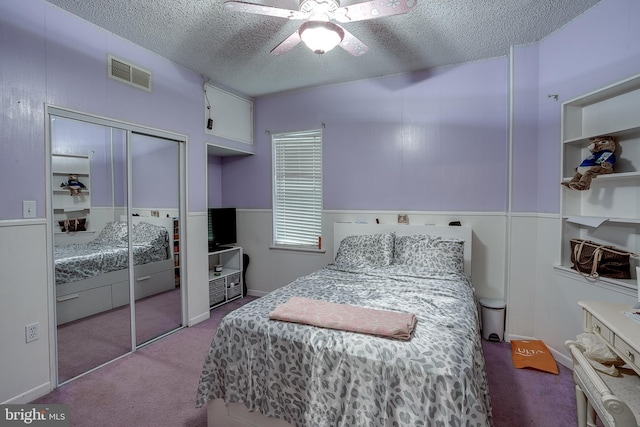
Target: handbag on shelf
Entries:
(73, 225)
(595, 260)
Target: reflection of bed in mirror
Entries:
(93, 277)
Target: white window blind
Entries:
(297, 188)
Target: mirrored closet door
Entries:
(115, 202)
(155, 182)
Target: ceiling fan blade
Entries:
(287, 44)
(352, 44)
(260, 9)
(373, 9)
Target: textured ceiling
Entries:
(232, 48)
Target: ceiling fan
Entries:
(318, 32)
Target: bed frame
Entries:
(94, 295)
(221, 414)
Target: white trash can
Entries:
(492, 319)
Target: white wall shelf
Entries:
(628, 286)
(231, 118)
(613, 198)
(225, 285)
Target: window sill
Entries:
(298, 249)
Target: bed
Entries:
(261, 372)
(93, 277)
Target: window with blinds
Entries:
(297, 188)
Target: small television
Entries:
(222, 228)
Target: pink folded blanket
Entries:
(346, 317)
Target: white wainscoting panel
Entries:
(270, 269)
(23, 300)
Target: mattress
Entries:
(312, 376)
(109, 252)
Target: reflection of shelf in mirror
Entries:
(71, 210)
(64, 233)
(588, 220)
(66, 173)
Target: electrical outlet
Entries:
(32, 332)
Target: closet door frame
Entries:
(129, 128)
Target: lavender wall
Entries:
(51, 56)
(597, 49)
(437, 140)
(434, 141)
(155, 173)
(525, 129)
(214, 185)
(423, 141)
(22, 95)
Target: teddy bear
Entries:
(599, 162)
(74, 186)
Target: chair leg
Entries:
(581, 407)
(591, 416)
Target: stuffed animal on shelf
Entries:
(599, 162)
(74, 186)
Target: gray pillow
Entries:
(433, 253)
(406, 246)
(149, 234)
(113, 232)
(368, 249)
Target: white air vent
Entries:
(126, 72)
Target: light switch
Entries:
(28, 209)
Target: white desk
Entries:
(615, 400)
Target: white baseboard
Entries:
(199, 318)
(30, 395)
(255, 293)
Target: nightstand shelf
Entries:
(225, 285)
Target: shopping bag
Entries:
(73, 225)
(594, 259)
(533, 354)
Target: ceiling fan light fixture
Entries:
(321, 36)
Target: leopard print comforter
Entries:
(311, 376)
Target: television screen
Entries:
(222, 227)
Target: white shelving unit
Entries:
(225, 285)
(176, 250)
(66, 206)
(609, 212)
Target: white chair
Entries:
(614, 400)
